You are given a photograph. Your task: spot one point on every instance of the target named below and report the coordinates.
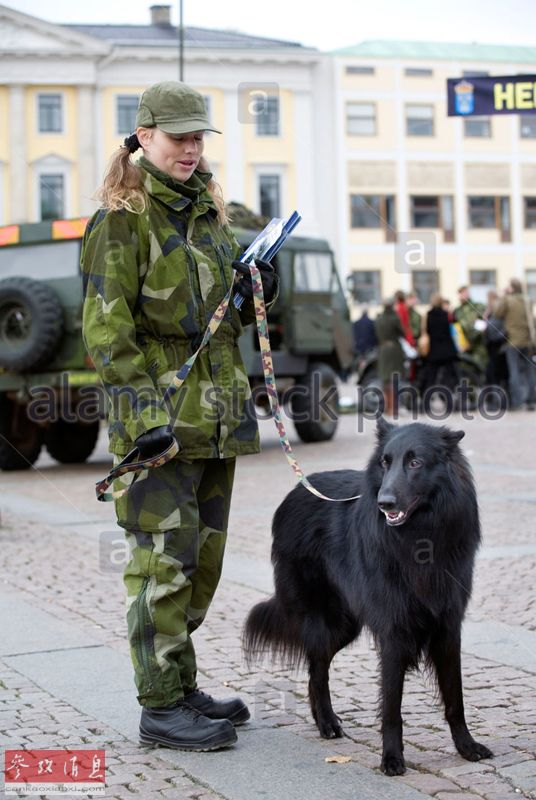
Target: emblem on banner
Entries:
(464, 94)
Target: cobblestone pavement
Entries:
(53, 558)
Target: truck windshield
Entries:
(39, 261)
(312, 272)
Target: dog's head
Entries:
(409, 464)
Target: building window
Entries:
(418, 72)
(433, 211)
(504, 219)
(527, 126)
(419, 120)
(447, 217)
(481, 282)
(366, 211)
(52, 196)
(357, 70)
(361, 119)
(425, 283)
(530, 275)
(50, 113)
(474, 73)
(374, 211)
(530, 212)
(477, 127)
(270, 195)
(482, 212)
(266, 111)
(491, 212)
(365, 286)
(127, 108)
(424, 211)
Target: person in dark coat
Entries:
(496, 341)
(442, 360)
(364, 334)
(390, 355)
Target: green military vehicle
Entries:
(49, 392)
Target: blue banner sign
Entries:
(511, 94)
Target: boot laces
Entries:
(189, 711)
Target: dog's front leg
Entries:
(393, 670)
(446, 657)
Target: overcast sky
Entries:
(326, 25)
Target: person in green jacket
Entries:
(390, 354)
(157, 259)
(515, 309)
(467, 313)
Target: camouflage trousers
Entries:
(175, 517)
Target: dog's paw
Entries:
(393, 765)
(473, 751)
(330, 728)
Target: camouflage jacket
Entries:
(152, 281)
(467, 314)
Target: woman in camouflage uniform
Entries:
(157, 259)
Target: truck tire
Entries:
(20, 438)
(71, 442)
(316, 399)
(31, 323)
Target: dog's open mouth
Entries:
(394, 518)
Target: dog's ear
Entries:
(383, 429)
(451, 438)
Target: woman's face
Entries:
(176, 154)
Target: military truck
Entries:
(50, 394)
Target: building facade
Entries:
(357, 140)
(69, 93)
(429, 202)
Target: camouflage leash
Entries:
(271, 389)
(131, 463)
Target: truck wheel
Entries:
(71, 442)
(31, 323)
(316, 401)
(20, 438)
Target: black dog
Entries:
(399, 561)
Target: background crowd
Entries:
(497, 339)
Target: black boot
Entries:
(184, 728)
(234, 709)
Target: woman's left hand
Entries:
(268, 277)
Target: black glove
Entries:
(154, 441)
(268, 277)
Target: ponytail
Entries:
(123, 184)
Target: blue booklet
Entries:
(267, 244)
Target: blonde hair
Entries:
(123, 187)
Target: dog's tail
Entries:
(268, 630)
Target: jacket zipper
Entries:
(224, 282)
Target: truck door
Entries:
(310, 312)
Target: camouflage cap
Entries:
(173, 107)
